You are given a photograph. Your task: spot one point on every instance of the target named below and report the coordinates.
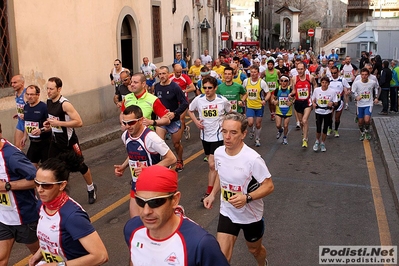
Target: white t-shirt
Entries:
(322, 99)
(210, 113)
(148, 70)
(235, 173)
(347, 72)
(205, 59)
(338, 86)
(365, 91)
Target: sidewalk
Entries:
(387, 132)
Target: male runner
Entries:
(35, 114)
(17, 83)
(243, 181)
(144, 148)
(210, 107)
(271, 77)
(303, 86)
(349, 71)
(63, 119)
(173, 98)
(256, 100)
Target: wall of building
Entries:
(78, 42)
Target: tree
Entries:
(308, 24)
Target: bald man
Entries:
(18, 84)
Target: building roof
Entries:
(289, 8)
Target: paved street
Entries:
(329, 198)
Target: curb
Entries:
(391, 168)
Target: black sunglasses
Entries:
(153, 202)
(46, 185)
(130, 122)
(206, 87)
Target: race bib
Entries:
(303, 94)
(30, 126)
(252, 94)
(271, 85)
(133, 165)
(322, 102)
(339, 96)
(210, 111)
(282, 102)
(233, 104)
(20, 110)
(5, 199)
(229, 191)
(365, 95)
(50, 258)
(55, 129)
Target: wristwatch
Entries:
(7, 186)
(154, 123)
(249, 198)
(62, 263)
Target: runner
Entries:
(62, 121)
(160, 237)
(283, 102)
(144, 148)
(349, 71)
(234, 92)
(35, 114)
(17, 83)
(257, 95)
(271, 77)
(365, 90)
(243, 181)
(210, 107)
(341, 87)
(303, 86)
(172, 97)
(324, 99)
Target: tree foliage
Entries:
(308, 24)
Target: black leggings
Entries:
(319, 122)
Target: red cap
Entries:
(157, 179)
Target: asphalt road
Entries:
(340, 197)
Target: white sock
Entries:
(257, 133)
(90, 187)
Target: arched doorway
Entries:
(127, 39)
(187, 41)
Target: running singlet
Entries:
(60, 232)
(240, 77)
(188, 245)
(183, 81)
(282, 98)
(271, 79)
(20, 102)
(17, 207)
(303, 89)
(64, 136)
(147, 103)
(338, 86)
(254, 99)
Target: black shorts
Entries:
(38, 151)
(210, 147)
(73, 152)
(300, 106)
(25, 234)
(252, 232)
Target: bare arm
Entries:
(75, 120)
(168, 159)
(21, 184)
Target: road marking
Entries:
(383, 227)
(111, 207)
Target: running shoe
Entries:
(92, 194)
(361, 137)
(323, 147)
(346, 106)
(187, 132)
(272, 117)
(168, 136)
(329, 131)
(266, 262)
(252, 133)
(206, 159)
(316, 146)
(279, 133)
(179, 166)
(336, 134)
(356, 119)
(257, 143)
(368, 135)
(298, 125)
(204, 196)
(179, 210)
(285, 142)
(304, 143)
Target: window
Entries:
(239, 35)
(5, 60)
(156, 31)
(238, 24)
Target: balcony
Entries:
(358, 4)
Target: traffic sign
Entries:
(311, 32)
(225, 35)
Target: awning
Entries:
(365, 36)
